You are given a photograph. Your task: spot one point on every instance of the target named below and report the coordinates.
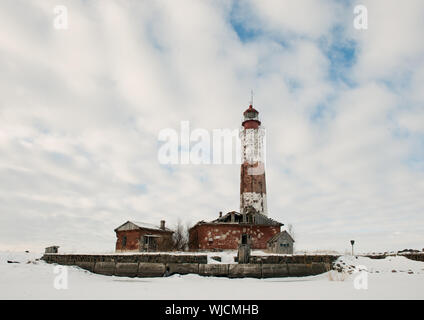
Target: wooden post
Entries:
(243, 255)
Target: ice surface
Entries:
(32, 279)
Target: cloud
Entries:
(81, 111)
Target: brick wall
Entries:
(134, 237)
(227, 236)
(133, 240)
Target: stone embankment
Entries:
(159, 265)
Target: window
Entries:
(244, 239)
(251, 115)
(124, 241)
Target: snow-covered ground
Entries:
(32, 279)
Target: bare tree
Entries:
(180, 237)
(290, 230)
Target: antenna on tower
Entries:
(251, 98)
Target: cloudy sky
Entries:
(81, 110)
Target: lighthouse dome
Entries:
(251, 118)
(251, 110)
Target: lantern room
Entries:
(251, 118)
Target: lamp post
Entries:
(352, 242)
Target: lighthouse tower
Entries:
(252, 182)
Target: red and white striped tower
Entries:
(252, 182)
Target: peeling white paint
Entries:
(254, 199)
(253, 146)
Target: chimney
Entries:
(220, 214)
(162, 224)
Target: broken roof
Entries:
(258, 218)
(141, 225)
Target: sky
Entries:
(81, 110)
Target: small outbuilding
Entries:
(282, 242)
(52, 249)
(143, 237)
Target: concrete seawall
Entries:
(165, 265)
(293, 259)
(412, 256)
(72, 259)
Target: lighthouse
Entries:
(252, 226)
(252, 180)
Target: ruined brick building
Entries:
(252, 224)
(140, 236)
